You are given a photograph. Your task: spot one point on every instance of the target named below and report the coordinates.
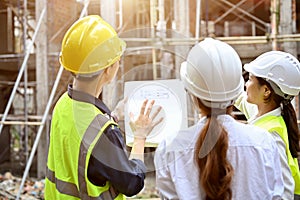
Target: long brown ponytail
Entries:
(290, 119)
(216, 172)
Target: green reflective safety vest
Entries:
(75, 129)
(277, 124)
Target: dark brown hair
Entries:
(289, 115)
(216, 172)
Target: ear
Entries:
(110, 72)
(267, 91)
(105, 73)
(108, 69)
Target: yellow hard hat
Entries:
(90, 45)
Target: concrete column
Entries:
(42, 84)
(286, 27)
(181, 29)
(108, 13)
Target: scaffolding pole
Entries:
(25, 81)
(35, 145)
(24, 64)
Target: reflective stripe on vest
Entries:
(70, 188)
(277, 124)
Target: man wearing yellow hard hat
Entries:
(87, 157)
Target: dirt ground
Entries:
(34, 189)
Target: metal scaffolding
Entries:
(169, 24)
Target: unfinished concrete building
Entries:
(159, 33)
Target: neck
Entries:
(93, 87)
(265, 108)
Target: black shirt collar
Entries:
(85, 97)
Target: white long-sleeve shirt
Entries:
(250, 111)
(252, 152)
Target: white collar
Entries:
(221, 118)
(275, 112)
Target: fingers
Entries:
(158, 121)
(131, 122)
(149, 108)
(143, 107)
(156, 112)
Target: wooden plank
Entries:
(6, 194)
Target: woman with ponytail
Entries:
(215, 178)
(218, 158)
(274, 80)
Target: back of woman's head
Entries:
(213, 75)
(280, 71)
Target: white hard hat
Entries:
(279, 68)
(213, 73)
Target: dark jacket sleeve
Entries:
(109, 162)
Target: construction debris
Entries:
(9, 188)
(34, 189)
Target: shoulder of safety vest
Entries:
(105, 120)
(271, 123)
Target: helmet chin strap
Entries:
(219, 105)
(87, 76)
(278, 91)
